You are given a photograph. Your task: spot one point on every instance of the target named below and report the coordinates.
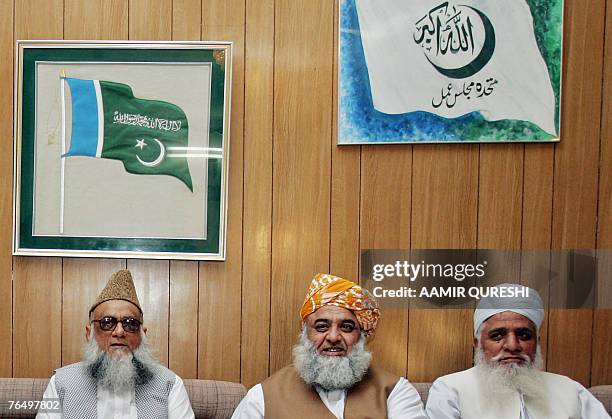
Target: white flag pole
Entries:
(62, 159)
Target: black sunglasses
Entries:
(109, 323)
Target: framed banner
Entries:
(121, 149)
(433, 71)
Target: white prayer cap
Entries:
(510, 297)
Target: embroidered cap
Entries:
(119, 287)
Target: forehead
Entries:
(508, 320)
(116, 308)
(332, 314)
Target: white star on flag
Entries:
(140, 144)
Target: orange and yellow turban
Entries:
(330, 290)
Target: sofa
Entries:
(209, 399)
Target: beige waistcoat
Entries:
(287, 396)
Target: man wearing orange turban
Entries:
(331, 375)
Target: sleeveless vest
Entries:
(560, 401)
(286, 395)
(77, 392)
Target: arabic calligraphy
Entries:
(447, 28)
(146, 121)
(450, 93)
(457, 40)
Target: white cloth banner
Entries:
(452, 58)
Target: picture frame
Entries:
(121, 149)
(437, 71)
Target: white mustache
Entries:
(502, 354)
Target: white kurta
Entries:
(443, 403)
(403, 402)
(111, 405)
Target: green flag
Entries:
(109, 122)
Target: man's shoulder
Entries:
(383, 373)
(288, 371)
(77, 366)
(457, 378)
(559, 380)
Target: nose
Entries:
(333, 335)
(119, 330)
(512, 343)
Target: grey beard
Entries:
(330, 372)
(499, 379)
(120, 373)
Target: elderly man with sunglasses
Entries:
(118, 376)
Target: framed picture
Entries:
(121, 149)
(434, 71)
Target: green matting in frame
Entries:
(121, 149)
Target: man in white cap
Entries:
(506, 381)
(331, 375)
(118, 376)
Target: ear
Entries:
(144, 329)
(475, 343)
(87, 329)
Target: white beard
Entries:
(120, 373)
(330, 372)
(498, 379)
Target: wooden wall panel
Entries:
(601, 369)
(39, 19)
(385, 224)
(500, 206)
(82, 281)
(537, 218)
(220, 293)
(151, 278)
(444, 215)
(575, 191)
(6, 186)
(186, 20)
(37, 316)
(96, 19)
(183, 319)
(302, 134)
(37, 286)
(345, 191)
(150, 19)
(257, 212)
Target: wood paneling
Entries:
(302, 158)
(186, 20)
(299, 204)
(183, 321)
(39, 19)
(257, 213)
(37, 282)
(37, 316)
(96, 19)
(576, 176)
(6, 189)
(385, 224)
(220, 283)
(500, 196)
(345, 192)
(601, 370)
(151, 278)
(150, 19)
(536, 234)
(444, 215)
